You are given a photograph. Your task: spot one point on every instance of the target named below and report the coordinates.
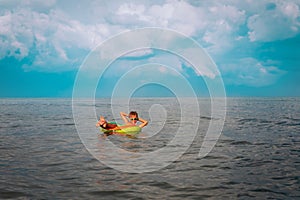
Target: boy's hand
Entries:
(124, 117)
(123, 114)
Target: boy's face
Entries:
(133, 117)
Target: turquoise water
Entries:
(257, 155)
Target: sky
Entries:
(254, 44)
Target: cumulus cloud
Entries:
(142, 57)
(14, 41)
(49, 37)
(251, 72)
(280, 22)
(139, 53)
(56, 35)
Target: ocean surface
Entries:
(256, 157)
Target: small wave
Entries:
(255, 163)
(68, 124)
(279, 178)
(226, 141)
(52, 164)
(255, 120)
(162, 184)
(221, 187)
(245, 195)
(264, 121)
(209, 118)
(65, 124)
(206, 117)
(264, 190)
(62, 118)
(210, 166)
(288, 123)
(244, 120)
(208, 157)
(16, 126)
(13, 194)
(109, 193)
(241, 143)
(281, 122)
(292, 118)
(230, 183)
(260, 143)
(239, 157)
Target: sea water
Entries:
(256, 156)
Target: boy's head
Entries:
(133, 115)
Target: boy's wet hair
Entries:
(134, 113)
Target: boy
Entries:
(133, 119)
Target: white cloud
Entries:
(139, 53)
(35, 5)
(280, 23)
(168, 59)
(216, 22)
(290, 9)
(59, 32)
(178, 15)
(53, 35)
(121, 66)
(162, 69)
(15, 41)
(224, 22)
(251, 72)
(130, 9)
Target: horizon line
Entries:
(140, 97)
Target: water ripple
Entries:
(257, 156)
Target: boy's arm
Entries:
(144, 122)
(124, 117)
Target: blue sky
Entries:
(255, 44)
